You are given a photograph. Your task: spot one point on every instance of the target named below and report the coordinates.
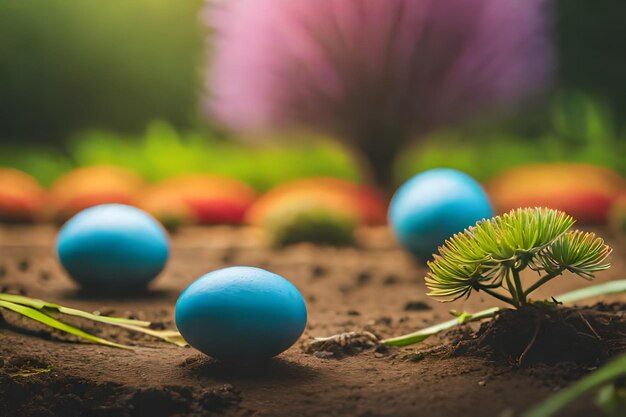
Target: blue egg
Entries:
(434, 205)
(113, 247)
(241, 313)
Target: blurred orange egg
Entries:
(93, 185)
(166, 206)
(21, 196)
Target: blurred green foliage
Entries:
(308, 223)
(70, 65)
(590, 39)
(114, 65)
(67, 65)
(576, 129)
(44, 163)
(162, 152)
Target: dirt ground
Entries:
(376, 287)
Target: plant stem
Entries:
(510, 288)
(501, 297)
(543, 280)
(612, 287)
(521, 297)
(423, 334)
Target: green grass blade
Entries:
(423, 334)
(30, 371)
(104, 319)
(170, 336)
(43, 318)
(611, 287)
(140, 326)
(43, 305)
(609, 372)
(27, 301)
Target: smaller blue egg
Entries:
(241, 313)
(434, 205)
(113, 247)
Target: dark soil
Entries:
(475, 370)
(549, 335)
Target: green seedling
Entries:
(490, 256)
(45, 313)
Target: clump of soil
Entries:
(550, 334)
(341, 345)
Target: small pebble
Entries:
(318, 271)
(391, 280)
(23, 265)
(363, 278)
(417, 306)
(228, 257)
(44, 275)
(381, 348)
(324, 354)
(416, 357)
(385, 321)
(13, 289)
(344, 289)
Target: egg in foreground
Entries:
(113, 247)
(241, 314)
(434, 205)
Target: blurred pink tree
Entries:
(375, 73)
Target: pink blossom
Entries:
(373, 70)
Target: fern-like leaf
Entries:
(579, 252)
(483, 256)
(524, 232)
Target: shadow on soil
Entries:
(272, 370)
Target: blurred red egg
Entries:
(199, 198)
(91, 186)
(365, 202)
(584, 191)
(21, 196)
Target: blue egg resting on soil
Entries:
(434, 205)
(241, 314)
(113, 247)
